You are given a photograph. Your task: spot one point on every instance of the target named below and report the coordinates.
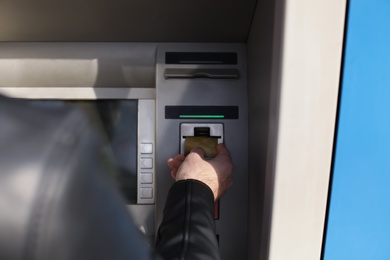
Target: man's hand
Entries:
(215, 173)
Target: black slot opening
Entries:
(202, 131)
(201, 112)
(211, 58)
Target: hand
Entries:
(215, 173)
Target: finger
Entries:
(173, 174)
(174, 164)
(222, 150)
(180, 157)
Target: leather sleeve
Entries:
(187, 230)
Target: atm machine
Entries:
(255, 75)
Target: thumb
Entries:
(199, 151)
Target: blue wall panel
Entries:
(359, 213)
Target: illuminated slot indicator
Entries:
(202, 116)
(201, 112)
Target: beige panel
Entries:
(311, 60)
(126, 20)
(79, 93)
(264, 47)
(66, 65)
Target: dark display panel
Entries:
(117, 121)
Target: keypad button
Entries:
(146, 148)
(146, 163)
(146, 193)
(146, 178)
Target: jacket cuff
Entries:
(187, 230)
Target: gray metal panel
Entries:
(126, 20)
(143, 217)
(232, 225)
(146, 136)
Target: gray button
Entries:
(146, 163)
(146, 178)
(146, 193)
(146, 148)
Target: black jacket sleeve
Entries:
(187, 230)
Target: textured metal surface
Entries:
(146, 135)
(232, 224)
